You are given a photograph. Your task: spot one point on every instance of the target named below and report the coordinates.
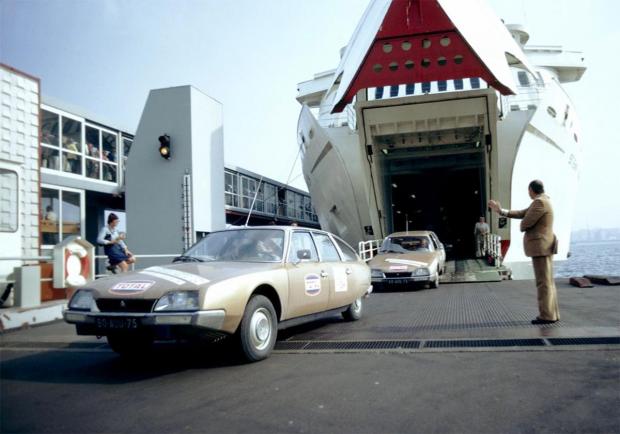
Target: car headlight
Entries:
(178, 300)
(376, 274)
(82, 300)
(422, 271)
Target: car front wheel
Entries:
(354, 311)
(258, 329)
(435, 283)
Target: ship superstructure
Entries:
(437, 106)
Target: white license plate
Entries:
(397, 281)
(117, 323)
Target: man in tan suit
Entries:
(540, 244)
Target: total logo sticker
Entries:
(312, 284)
(133, 286)
(398, 268)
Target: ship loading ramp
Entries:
(432, 160)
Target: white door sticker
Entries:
(340, 280)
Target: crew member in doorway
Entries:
(113, 245)
(540, 243)
(480, 231)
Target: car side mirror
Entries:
(303, 254)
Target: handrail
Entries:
(492, 248)
(367, 249)
(26, 258)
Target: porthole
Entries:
(409, 64)
(442, 61)
(426, 43)
(426, 63)
(458, 59)
(551, 111)
(387, 47)
(393, 66)
(575, 137)
(377, 67)
(406, 46)
(445, 41)
(311, 134)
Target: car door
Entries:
(358, 273)
(308, 279)
(338, 272)
(440, 249)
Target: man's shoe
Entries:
(539, 321)
(112, 268)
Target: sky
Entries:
(105, 55)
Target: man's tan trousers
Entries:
(547, 295)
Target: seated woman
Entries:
(113, 245)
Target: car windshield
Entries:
(405, 244)
(242, 245)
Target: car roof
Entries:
(411, 233)
(281, 227)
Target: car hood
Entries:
(153, 282)
(396, 261)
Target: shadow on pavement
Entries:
(103, 367)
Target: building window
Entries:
(68, 145)
(9, 204)
(50, 140)
(61, 214)
(307, 209)
(290, 204)
(231, 188)
(71, 146)
(270, 198)
(248, 189)
(523, 78)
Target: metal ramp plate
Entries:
(471, 270)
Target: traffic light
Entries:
(164, 146)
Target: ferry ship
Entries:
(435, 107)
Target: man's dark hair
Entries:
(537, 186)
(112, 217)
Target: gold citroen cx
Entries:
(244, 283)
(406, 258)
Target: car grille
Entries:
(124, 305)
(397, 275)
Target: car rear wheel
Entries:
(354, 311)
(258, 329)
(130, 345)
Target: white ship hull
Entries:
(430, 156)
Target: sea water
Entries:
(591, 257)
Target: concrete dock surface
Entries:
(463, 358)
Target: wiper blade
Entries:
(186, 258)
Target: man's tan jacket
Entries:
(537, 223)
